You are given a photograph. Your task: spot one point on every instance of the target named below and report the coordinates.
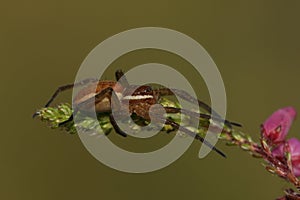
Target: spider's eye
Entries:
(148, 89)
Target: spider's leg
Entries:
(120, 74)
(107, 92)
(98, 97)
(184, 95)
(187, 97)
(116, 127)
(197, 115)
(69, 86)
(68, 120)
(66, 87)
(195, 135)
(140, 111)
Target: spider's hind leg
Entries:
(196, 136)
(187, 97)
(198, 115)
(161, 119)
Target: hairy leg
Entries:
(187, 97)
(64, 88)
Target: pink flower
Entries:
(294, 149)
(276, 127)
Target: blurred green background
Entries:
(255, 44)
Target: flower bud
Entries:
(276, 127)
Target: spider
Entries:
(140, 101)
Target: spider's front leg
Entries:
(97, 98)
(114, 102)
(64, 88)
(120, 77)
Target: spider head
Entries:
(143, 90)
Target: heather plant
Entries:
(280, 154)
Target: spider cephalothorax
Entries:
(139, 100)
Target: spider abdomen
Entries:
(101, 105)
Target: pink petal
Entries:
(296, 166)
(294, 145)
(276, 127)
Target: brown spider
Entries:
(140, 100)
